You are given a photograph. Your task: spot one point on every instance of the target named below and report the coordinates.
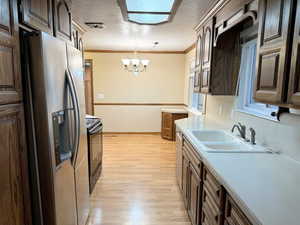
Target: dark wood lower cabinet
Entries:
(206, 200)
(195, 196)
(168, 128)
(14, 187)
(179, 159)
(191, 183)
(185, 179)
(233, 214)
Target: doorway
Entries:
(88, 87)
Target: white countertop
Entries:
(174, 110)
(266, 186)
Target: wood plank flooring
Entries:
(138, 184)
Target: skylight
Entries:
(148, 18)
(150, 5)
(149, 12)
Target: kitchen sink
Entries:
(212, 136)
(233, 147)
(222, 142)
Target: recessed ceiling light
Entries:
(95, 25)
(149, 12)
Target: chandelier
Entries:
(135, 65)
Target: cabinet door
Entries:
(185, 180)
(294, 84)
(167, 126)
(14, 201)
(80, 42)
(198, 50)
(74, 37)
(207, 45)
(63, 20)
(197, 81)
(10, 79)
(179, 159)
(273, 45)
(195, 191)
(233, 214)
(38, 14)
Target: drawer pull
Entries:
(217, 218)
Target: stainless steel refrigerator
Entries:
(58, 104)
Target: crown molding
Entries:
(78, 27)
(190, 48)
(145, 52)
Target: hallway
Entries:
(138, 183)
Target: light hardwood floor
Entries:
(138, 184)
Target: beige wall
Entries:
(163, 82)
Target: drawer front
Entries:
(233, 215)
(212, 209)
(206, 218)
(193, 157)
(213, 186)
(197, 165)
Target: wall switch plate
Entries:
(100, 96)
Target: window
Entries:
(245, 101)
(196, 100)
(149, 12)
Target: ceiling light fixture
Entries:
(135, 65)
(149, 12)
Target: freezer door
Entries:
(49, 87)
(80, 160)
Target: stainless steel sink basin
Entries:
(212, 136)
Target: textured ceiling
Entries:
(121, 35)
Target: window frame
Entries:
(195, 110)
(245, 101)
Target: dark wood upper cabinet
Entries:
(10, 80)
(198, 50)
(275, 19)
(197, 71)
(63, 19)
(197, 82)
(221, 49)
(37, 14)
(15, 200)
(207, 45)
(77, 33)
(294, 84)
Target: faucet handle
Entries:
(241, 125)
(253, 133)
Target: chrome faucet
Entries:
(252, 138)
(241, 128)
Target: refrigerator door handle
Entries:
(77, 114)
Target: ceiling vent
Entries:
(95, 25)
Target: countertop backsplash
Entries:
(283, 136)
